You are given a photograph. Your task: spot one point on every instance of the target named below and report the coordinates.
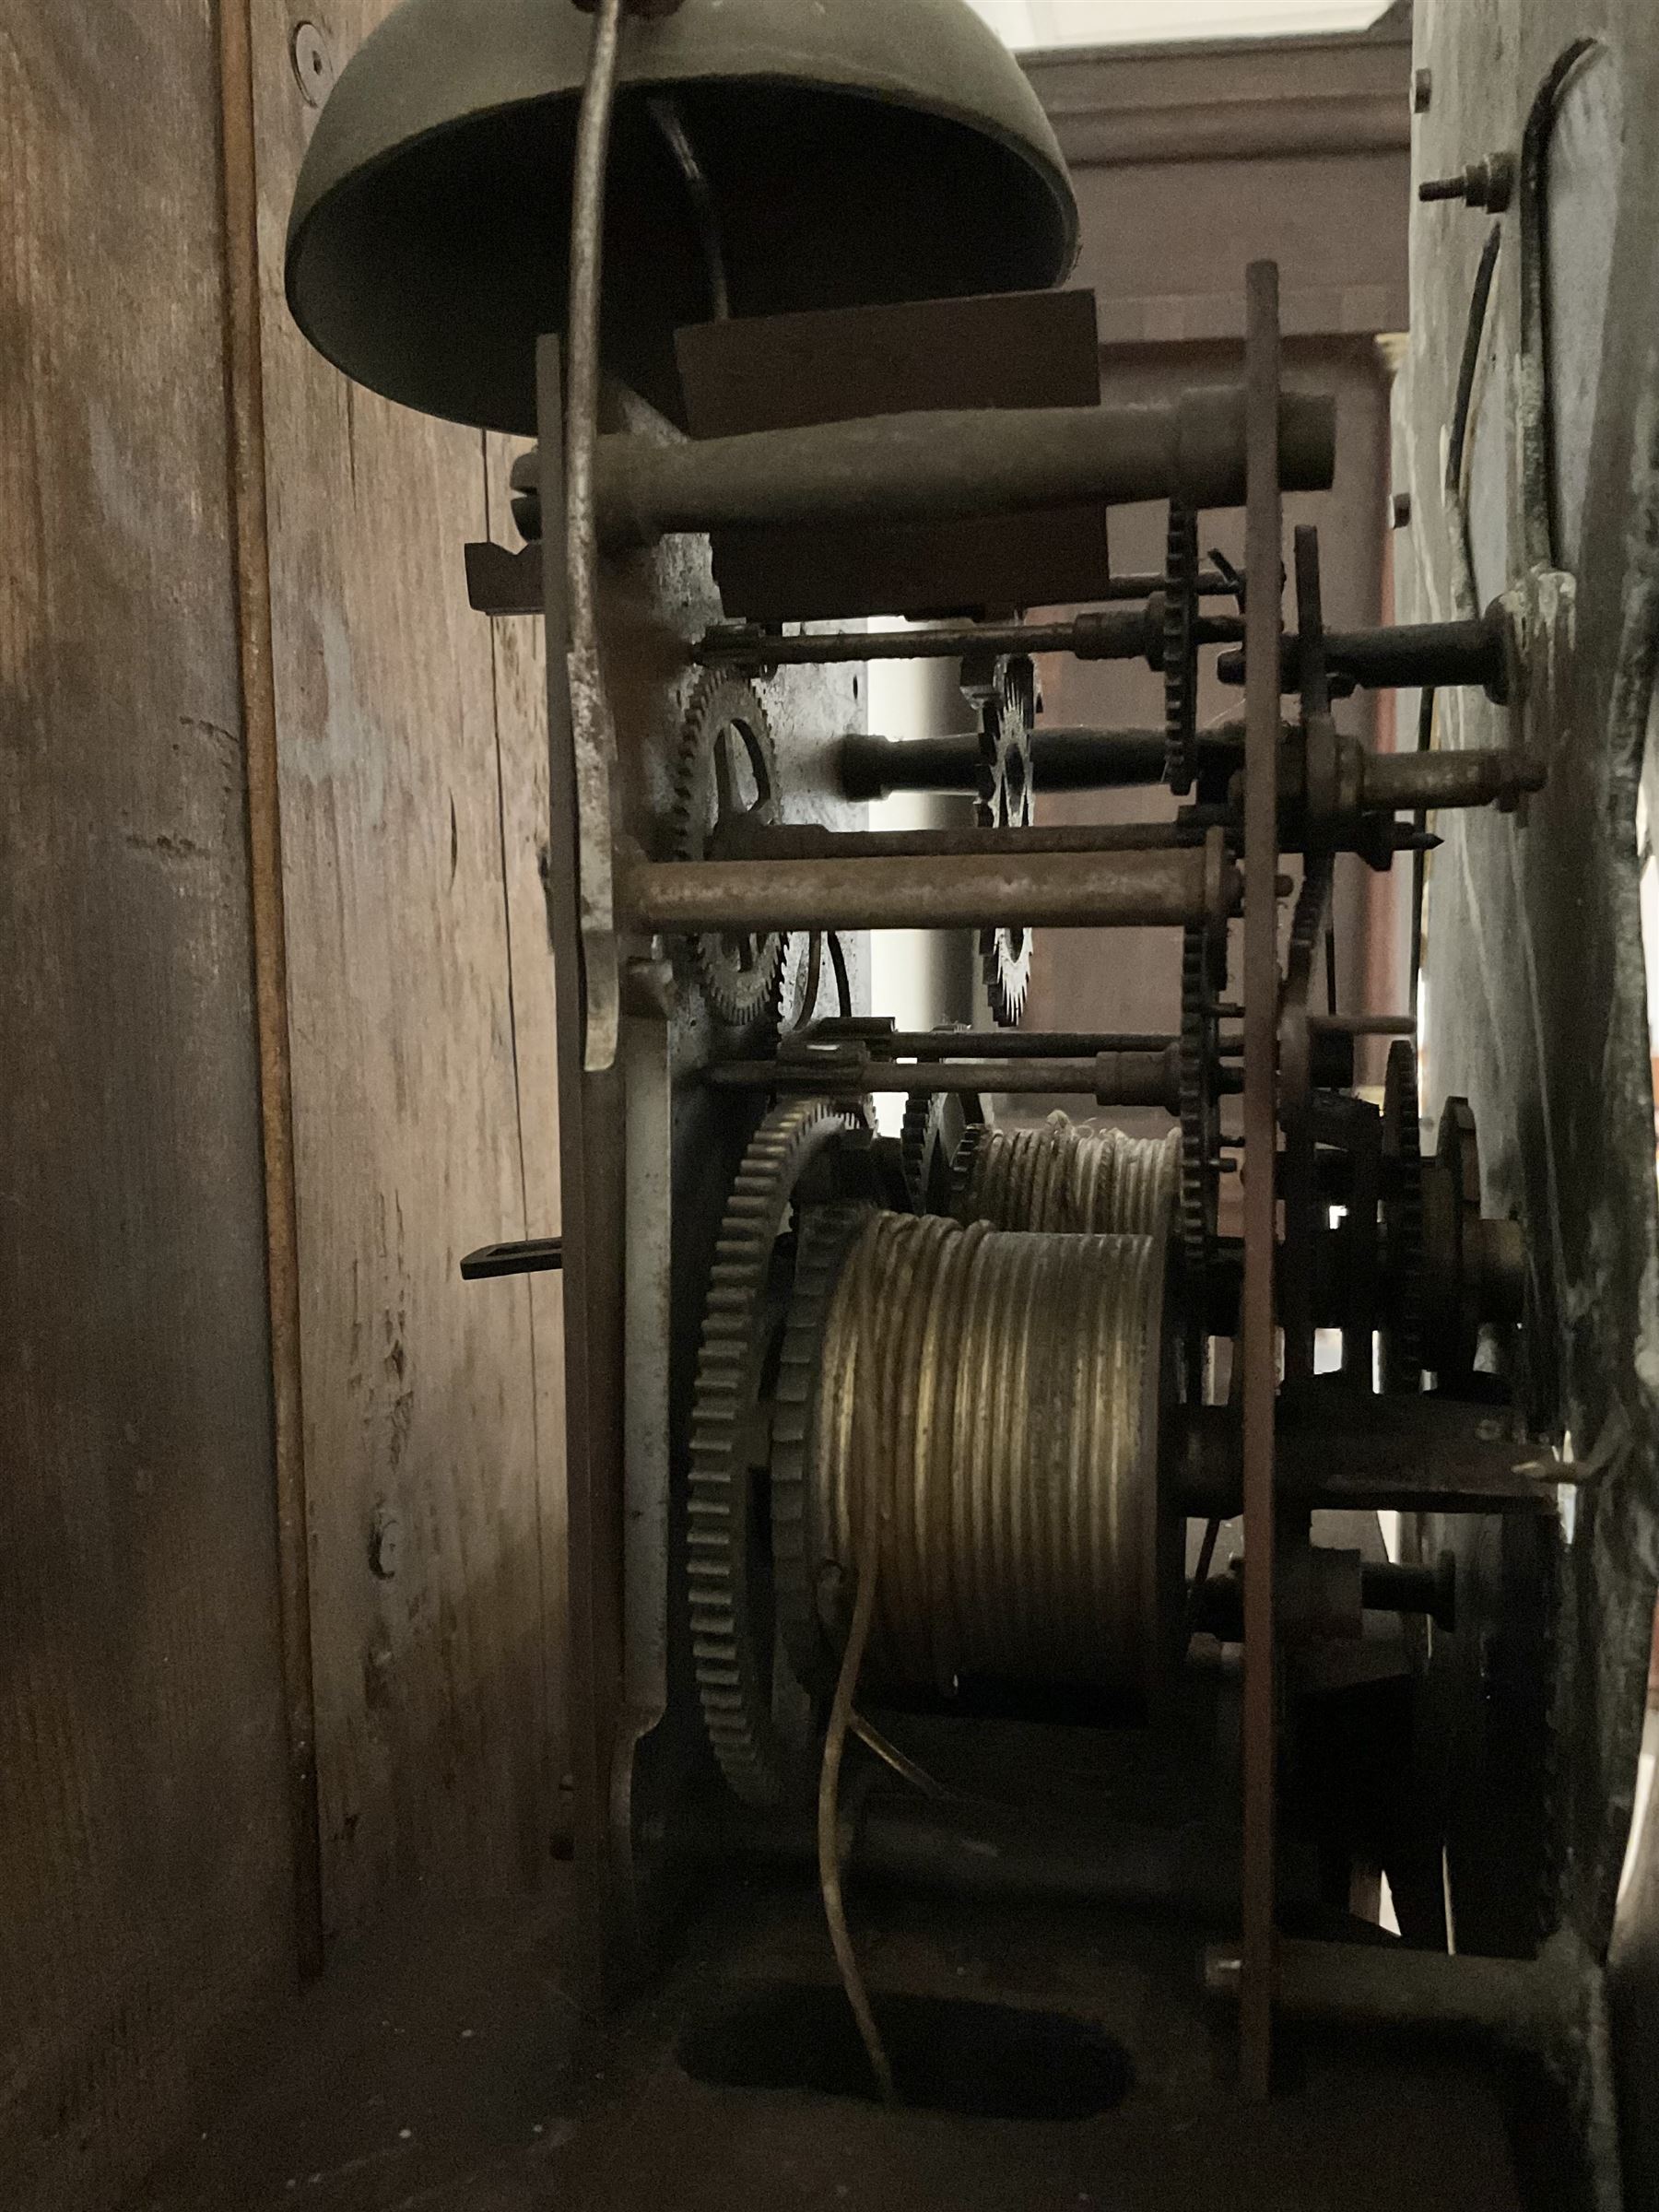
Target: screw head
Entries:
(313, 64)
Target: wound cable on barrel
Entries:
(1061, 1179)
(1009, 1386)
(867, 1431)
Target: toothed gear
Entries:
(1005, 802)
(964, 1167)
(1404, 1247)
(1180, 653)
(754, 1709)
(826, 1236)
(726, 746)
(1203, 979)
(930, 1140)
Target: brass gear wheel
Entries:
(1180, 653)
(727, 755)
(1404, 1245)
(1451, 1222)
(1006, 801)
(825, 1237)
(1202, 980)
(754, 1708)
(929, 1142)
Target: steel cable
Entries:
(993, 1397)
(1059, 1179)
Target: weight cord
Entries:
(835, 1743)
(928, 1482)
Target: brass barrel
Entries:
(1063, 1179)
(1014, 1382)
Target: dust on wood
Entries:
(431, 1466)
(144, 1847)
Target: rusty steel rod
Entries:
(1109, 890)
(592, 729)
(1264, 556)
(874, 768)
(1106, 634)
(1422, 1454)
(1062, 760)
(1110, 1079)
(978, 1045)
(1409, 656)
(1212, 584)
(1511, 2001)
(951, 465)
(1117, 634)
(1483, 776)
(809, 840)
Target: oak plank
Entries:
(144, 1837)
(429, 1627)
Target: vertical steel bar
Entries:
(590, 1110)
(594, 737)
(649, 1326)
(1263, 623)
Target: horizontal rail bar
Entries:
(809, 840)
(1118, 634)
(1408, 655)
(1107, 890)
(1514, 2001)
(1212, 584)
(1110, 1079)
(1394, 1455)
(1482, 776)
(925, 467)
(1067, 759)
(978, 1045)
(874, 768)
(970, 1850)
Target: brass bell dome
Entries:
(858, 152)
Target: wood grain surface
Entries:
(154, 1539)
(145, 1869)
(429, 1493)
